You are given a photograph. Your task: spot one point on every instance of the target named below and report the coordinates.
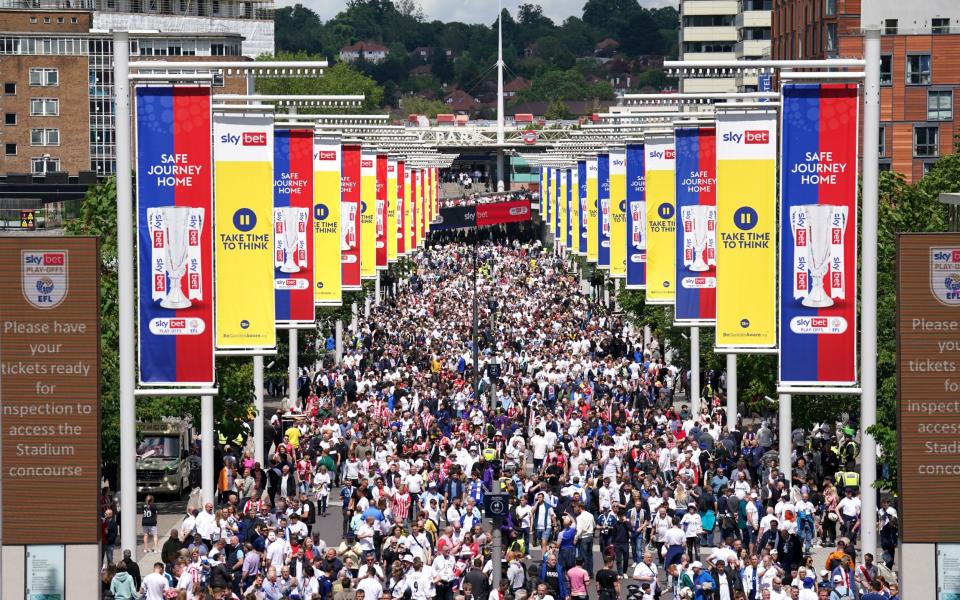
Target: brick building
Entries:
(920, 68)
(57, 77)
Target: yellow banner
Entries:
(243, 201)
(327, 272)
(564, 207)
(661, 219)
(391, 210)
(592, 209)
(421, 207)
(746, 230)
(368, 214)
(618, 214)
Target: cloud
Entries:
(470, 12)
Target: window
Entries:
(44, 164)
(831, 36)
(830, 7)
(74, 20)
(918, 69)
(10, 89)
(60, 20)
(218, 78)
(46, 20)
(890, 26)
(928, 166)
(33, 20)
(940, 26)
(10, 118)
(44, 77)
(10, 149)
(44, 137)
(926, 141)
(940, 105)
(44, 107)
(886, 70)
(882, 142)
(217, 49)
(885, 166)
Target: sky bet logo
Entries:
(754, 136)
(47, 259)
(327, 155)
(953, 256)
(366, 164)
(247, 138)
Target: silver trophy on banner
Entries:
(819, 251)
(700, 232)
(291, 237)
(176, 238)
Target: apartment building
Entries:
(920, 67)
(724, 30)
(57, 101)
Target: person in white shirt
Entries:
(539, 445)
(849, 509)
(154, 586)
(365, 535)
(646, 571)
(369, 587)
(278, 550)
(692, 526)
(206, 524)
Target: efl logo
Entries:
(327, 155)
(756, 136)
(255, 138)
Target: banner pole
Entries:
(731, 392)
(339, 340)
(868, 286)
(376, 290)
(785, 439)
(206, 449)
(694, 390)
(292, 370)
(125, 295)
(258, 405)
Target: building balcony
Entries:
(709, 85)
(708, 56)
(710, 7)
(752, 49)
(754, 18)
(709, 34)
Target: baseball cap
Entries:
(696, 565)
(837, 578)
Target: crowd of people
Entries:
(615, 488)
(485, 198)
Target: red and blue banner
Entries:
(636, 219)
(293, 189)
(381, 214)
(696, 239)
(350, 215)
(582, 207)
(174, 231)
(603, 211)
(818, 231)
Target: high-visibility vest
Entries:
(848, 478)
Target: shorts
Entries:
(544, 534)
(149, 530)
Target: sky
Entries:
(470, 11)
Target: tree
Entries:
(418, 105)
(557, 110)
(341, 79)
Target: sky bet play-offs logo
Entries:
(247, 138)
(945, 275)
(43, 277)
(755, 136)
(818, 325)
(177, 326)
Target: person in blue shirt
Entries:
(568, 548)
(876, 592)
(703, 584)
